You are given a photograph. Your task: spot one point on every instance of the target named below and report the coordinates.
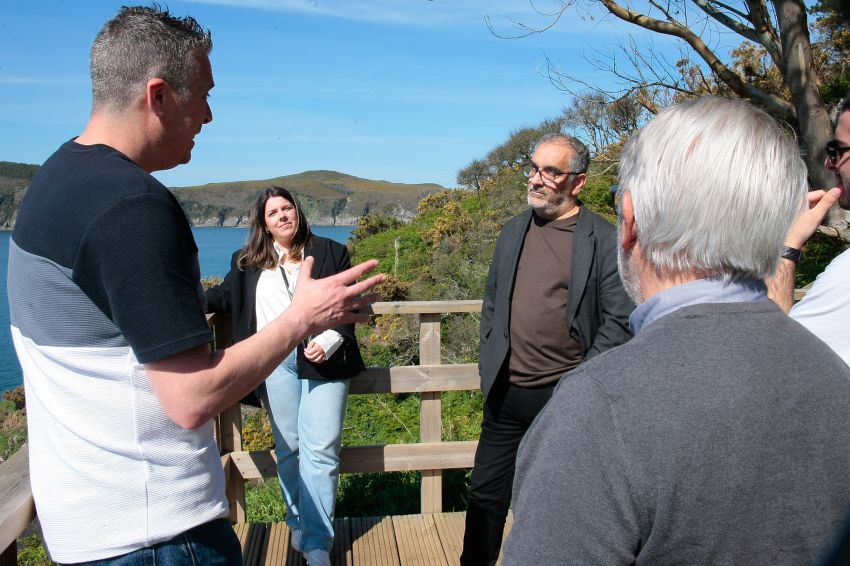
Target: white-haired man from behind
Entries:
(720, 433)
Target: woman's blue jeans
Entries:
(213, 543)
(306, 417)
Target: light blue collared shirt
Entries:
(714, 290)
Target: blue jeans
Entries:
(212, 543)
(306, 417)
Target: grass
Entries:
(371, 420)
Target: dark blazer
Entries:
(237, 295)
(598, 307)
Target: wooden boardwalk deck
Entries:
(403, 540)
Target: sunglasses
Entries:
(835, 151)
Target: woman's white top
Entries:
(273, 298)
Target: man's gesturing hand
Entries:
(330, 301)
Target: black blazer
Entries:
(237, 295)
(598, 307)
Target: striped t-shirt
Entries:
(103, 277)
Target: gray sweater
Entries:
(719, 435)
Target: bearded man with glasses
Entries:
(826, 307)
(553, 299)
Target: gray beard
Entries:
(545, 210)
(631, 282)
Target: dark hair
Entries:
(139, 44)
(259, 249)
(580, 157)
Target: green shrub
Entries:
(818, 252)
(256, 430)
(264, 501)
(16, 396)
(31, 551)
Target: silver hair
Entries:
(579, 157)
(139, 44)
(715, 184)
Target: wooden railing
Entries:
(429, 379)
(430, 455)
(17, 509)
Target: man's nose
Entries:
(208, 117)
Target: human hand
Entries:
(320, 304)
(314, 353)
(808, 221)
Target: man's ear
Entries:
(155, 95)
(581, 179)
(627, 228)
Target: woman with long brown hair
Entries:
(305, 396)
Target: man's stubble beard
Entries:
(631, 282)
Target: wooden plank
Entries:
(234, 489)
(509, 522)
(252, 540)
(229, 426)
(9, 557)
(277, 545)
(423, 307)
(418, 541)
(341, 552)
(357, 459)
(450, 527)
(801, 292)
(373, 542)
(430, 411)
(241, 530)
(17, 508)
(416, 379)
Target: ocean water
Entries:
(215, 246)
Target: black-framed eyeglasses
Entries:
(835, 151)
(546, 173)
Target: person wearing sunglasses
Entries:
(826, 307)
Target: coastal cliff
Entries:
(329, 198)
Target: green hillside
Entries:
(14, 180)
(328, 197)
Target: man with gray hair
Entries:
(108, 321)
(553, 299)
(720, 433)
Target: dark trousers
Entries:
(508, 412)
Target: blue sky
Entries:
(401, 90)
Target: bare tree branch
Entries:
(526, 29)
(728, 76)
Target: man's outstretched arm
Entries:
(195, 385)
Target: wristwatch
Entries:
(791, 254)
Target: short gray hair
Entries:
(715, 184)
(139, 44)
(580, 156)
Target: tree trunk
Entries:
(812, 117)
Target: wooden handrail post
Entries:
(17, 508)
(228, 431)
(9, 557)
(430, 411)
